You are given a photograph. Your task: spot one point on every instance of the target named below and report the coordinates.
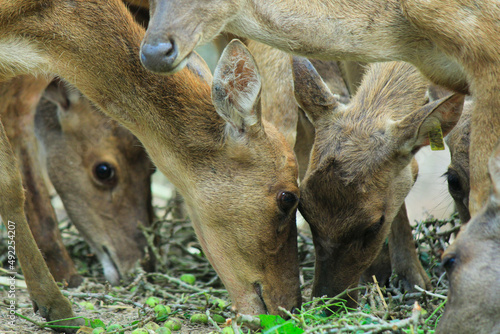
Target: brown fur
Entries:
(472, 264)
(77, 138)
(248, 239)
(19, 99)
(472, 39)
(342, 78)
(360, 169)
(452, 43)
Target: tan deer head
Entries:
(360, 165)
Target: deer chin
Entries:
(179, 66)
(111, 271)
(251, 302)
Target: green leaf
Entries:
(277, 325)
(97, 323)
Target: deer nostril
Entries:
(159, 57)
(172, 48)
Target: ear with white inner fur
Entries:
(412, 132)
(311, 92)
(236, 89)
(59, 93)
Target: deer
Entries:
(462, 57)
(343, 79)
(20, 96)
(237, 174)
(473, 270)
(102, 174)
(362, 167)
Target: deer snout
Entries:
(160, 57)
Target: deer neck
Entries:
(171, 115)
(343, 29)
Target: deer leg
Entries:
(20, 97)
(43, 290)
(404, 257)
(42, 218)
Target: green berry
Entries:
(152, 301)
(162, 311)
(87, 305)
(218, 318)
(140, 331)
(113, 327)
(173, 324)
(152, 325)
(199, 318)
(227, 330)
(163, 330)
(188, 278)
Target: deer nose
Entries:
(159, 57)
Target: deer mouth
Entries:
(258, 290)
(111, 271)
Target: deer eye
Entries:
(453, 181)
(375, 228)
(104, 172)
(287, 201)
(449, 261)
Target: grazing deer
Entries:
(102, 174)
(235, 171)
(361, 168)
(453, 43)
(341, 78)
(19, 98)
(473, 266)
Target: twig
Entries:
(137, 325)
(184, 284)
(250, 321)
(207, 312)
(425, 292)
(373, 328)
(149, 234)
(18, 276)
(101, 296)
(380, 293)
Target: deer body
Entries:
(368, 31)
(204, 151)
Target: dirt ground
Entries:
(180, 254)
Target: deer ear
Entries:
(311, 92)
(236, 88)
(57, 93)
(414, 130)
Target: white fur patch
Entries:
(20, 56)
